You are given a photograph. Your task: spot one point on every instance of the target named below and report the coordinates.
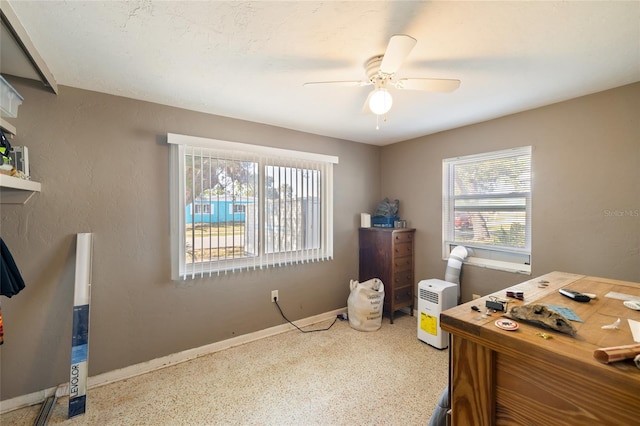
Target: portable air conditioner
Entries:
(434, 296)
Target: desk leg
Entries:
(472, 384)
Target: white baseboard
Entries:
(158, 363)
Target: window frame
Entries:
(264, 156)
(503, 258)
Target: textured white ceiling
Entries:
(249, 60)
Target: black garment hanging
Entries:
(11, 281)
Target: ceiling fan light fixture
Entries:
(380, 101)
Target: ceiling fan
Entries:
(381, 71)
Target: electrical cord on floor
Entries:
(303, 331)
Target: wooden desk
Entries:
(500, 377)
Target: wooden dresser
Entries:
(500, 377)
(387, 254)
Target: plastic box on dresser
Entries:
(383, 221)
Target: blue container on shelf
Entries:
(383, 221)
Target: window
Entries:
(202, 208)
(487, 208)
(238, 206)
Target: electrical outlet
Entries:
(274, 295)
(475, 296)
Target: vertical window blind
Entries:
(238, 206)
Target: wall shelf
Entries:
(14, 190)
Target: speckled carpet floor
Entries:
(338, 377)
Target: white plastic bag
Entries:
(365, 304)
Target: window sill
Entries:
(493, 258)
(516, 268)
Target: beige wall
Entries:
(586, 175)
(103, 164)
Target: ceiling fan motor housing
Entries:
(372, 68)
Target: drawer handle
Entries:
(408, 251)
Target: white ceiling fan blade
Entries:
(398, 49)
(339, 83)
(428, 84)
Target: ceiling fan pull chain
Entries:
(377, 122)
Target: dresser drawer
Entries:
(403, 278)
(405, 294)
(403, 249)
(403, 263)
(402, 237)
